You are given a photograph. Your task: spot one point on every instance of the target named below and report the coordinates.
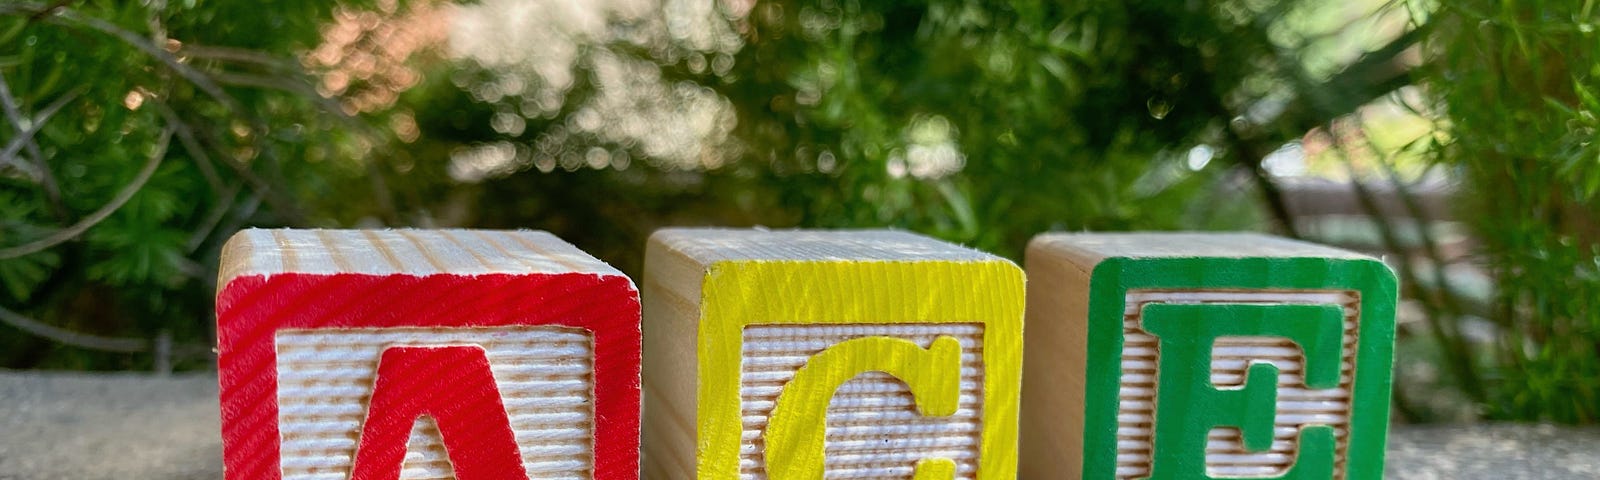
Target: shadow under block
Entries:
(859, 354)
(1192, 356)
(478, 355)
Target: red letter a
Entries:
(453, 385)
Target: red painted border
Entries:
(250, 309)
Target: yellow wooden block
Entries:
(859, 354)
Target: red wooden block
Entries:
(425, 354)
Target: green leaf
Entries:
(22, 276)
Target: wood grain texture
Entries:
(1095, 364)
(903, 353)
(312, 322)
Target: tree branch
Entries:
(1445, 329)
(52, 8)
(81, 340)
(281, 204)
(1250, 157)
(286, 85)
(25, 138)
(1373, 75)
(116, 202)
(25, 134)
(242, 55)
(198, 78)
(190, 144)
(212, 219)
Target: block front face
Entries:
(860, 370)
(1238, 368)
(478, 358)
(326, 378)
(874, 429)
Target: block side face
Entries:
(254, 310)
(846, 295)
(1363, 288)
(710, 245)
(1055, 365)
(671, 294)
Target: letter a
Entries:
(453, 385)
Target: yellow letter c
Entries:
(795, 433)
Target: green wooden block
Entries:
(1204, 356)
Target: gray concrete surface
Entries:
(102, 426)
(135, 427)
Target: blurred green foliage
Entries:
(978, 122)
(1521, 84)
(201, 94)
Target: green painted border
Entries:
(1113, 277)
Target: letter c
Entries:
(795, 433)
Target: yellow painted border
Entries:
(736, 294)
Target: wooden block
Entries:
(1188, 356)
(859, 354)
(425, 354)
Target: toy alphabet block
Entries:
(1205, 356)
(855, 354)
(425, 354)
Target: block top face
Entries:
(1152, 245)
(712, 245)
(403, 252)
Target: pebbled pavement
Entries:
(88, 426)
